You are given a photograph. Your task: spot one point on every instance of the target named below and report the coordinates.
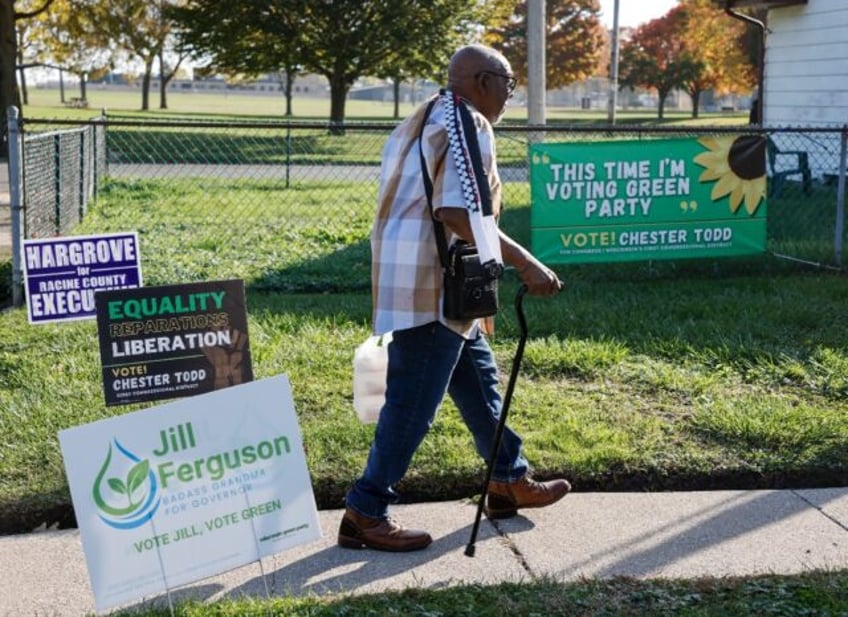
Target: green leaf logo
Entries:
(137, 489)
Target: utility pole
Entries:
(536, 62)
(613, 93)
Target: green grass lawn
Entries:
(815, 594)
(46, 103)
(683, 375)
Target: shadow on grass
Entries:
(346, 270)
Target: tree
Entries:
(574, 40)
(352, 38)
(69, 36)
(424, 49)
(654, 57)
(29, 52)
(167, 72)
(141, 28)
(717, 42)
(695, 47)
(245, 38)
(342, 40)
(8, 54)
(85, 36)
(37, 41)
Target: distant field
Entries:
(45, 103)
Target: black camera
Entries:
(471, 288)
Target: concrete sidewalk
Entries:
(643, 535)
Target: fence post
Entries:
(16, 201)
(288, 152)
(840, 198)
(57, 175)
(97, 126)
(83, 170)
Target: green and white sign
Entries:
(653, 199)
(186, 490)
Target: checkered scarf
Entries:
(462, 137)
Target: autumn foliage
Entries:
(694, 47)
(575, 40)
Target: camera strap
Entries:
(438, 226)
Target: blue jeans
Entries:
(424, 363)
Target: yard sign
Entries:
(63, 274)
(186, 490)
(652, 199)
(172, 341)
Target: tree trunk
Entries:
(397, 97)
(62, 86)
(24, 91)
(23, 84)
(145, 85)
(662, 97)
(338, 97)
(289, 88)
(8, 47)
(163, 83)
(83, 85)
(696, 97)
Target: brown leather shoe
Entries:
(358, 531)
(503, 499)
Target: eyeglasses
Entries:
(510, 80)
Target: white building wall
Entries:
(806, 69)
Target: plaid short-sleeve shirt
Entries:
(406, 275)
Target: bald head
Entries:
(470, 60)
(482, 76)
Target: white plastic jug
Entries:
(370, 363)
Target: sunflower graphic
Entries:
(739, 165)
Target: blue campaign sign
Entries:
(62, 274)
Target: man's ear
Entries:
(482, 83)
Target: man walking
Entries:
(431, 355)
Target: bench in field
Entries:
(77, 102)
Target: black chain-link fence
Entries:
(61, 170)
(288, 206)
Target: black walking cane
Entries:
(513, 376)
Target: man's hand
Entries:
(540, 280)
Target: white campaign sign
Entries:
(180, 492)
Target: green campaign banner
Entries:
(652, 199)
